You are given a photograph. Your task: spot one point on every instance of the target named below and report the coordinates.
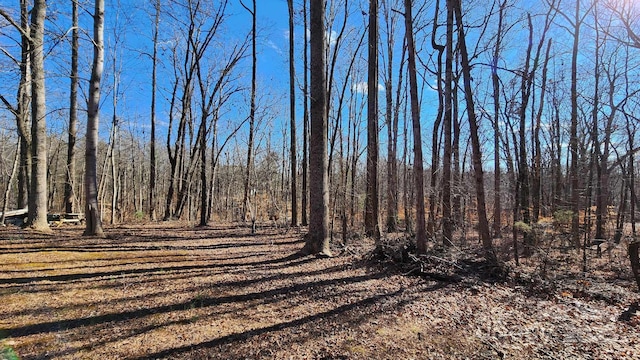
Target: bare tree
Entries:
(152, 141)
(317, 239)
(523, 167)
(69, 195)
(305, 121)
(525, 178)
(371, 224)
(576, 23)
(435, 143)
(38, 191)
(92, 209)
(214, 93)
(252, 110)
(421, 236)
(447, 221)
(392, 126)
(185, 153)
(536, 177)
(292, 107)
(495, 81)
(483, 223)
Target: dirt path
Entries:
(177, 292)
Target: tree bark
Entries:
(22, 108)
(317, 239)
(152, 141)
(523, 166)
(447, 222)
(252, 112)
(371, 224)
(573, 140)
(114, 141)
(305, 124)
(497, 173)
(69, 195)
(392, 130)
(483, 223)
(292, 106)
(38, 189)
(93, 218)
(536, 178)
(421, 236)
(435, 145)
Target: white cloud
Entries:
(333, 37)
(272, 45)
(362, 87)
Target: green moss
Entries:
(563, 216)
(523, 227)
(7, 353)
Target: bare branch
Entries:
(4, 51)
(13, 23)
(12, 109)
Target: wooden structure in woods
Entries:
(19, 218)
(16, 217)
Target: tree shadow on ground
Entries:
(339, 312)
(194, 303)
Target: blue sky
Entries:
(130, 20)
(133, 25)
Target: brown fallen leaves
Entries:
(174, 291)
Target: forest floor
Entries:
(170, 291)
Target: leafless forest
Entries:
(495, 160)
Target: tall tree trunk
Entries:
(435, 145)
(252, 113)
(558, 192)
(573, 140)
(447, 223)
(213, 185)
(392, 130)
(421, 235)
(456, 177)
(523, 166)
(497, 173)
(371, 224)
(536, 178)
(203, 171)
(93, 218)
(317, 241)
(305, 123)
(38, 190)
(114, 141)
(406, 181)
(483, 223)
(631, 131)
(174, 153)
(22, 108)
(69, 195)
(599, 156)
(292, 106)
(603, 195)
(152, 142)
(396, 121)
